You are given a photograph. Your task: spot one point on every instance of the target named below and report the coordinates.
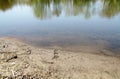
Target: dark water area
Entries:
(69, 24)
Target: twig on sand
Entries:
(55, 54)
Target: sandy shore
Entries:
(22, 61)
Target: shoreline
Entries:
(20, 60)
(92, 48)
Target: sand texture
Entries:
(22, 61)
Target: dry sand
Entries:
(22, 61)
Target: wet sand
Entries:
(71, 44)
(19, 60)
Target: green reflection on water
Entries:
(48, 8)
(111, 8)
(6, 4)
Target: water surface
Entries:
(70, 24)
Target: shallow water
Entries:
(70, 24)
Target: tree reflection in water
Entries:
(44, 9)
(6, 4)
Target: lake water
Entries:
(68, 24)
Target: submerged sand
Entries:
(22, 61)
